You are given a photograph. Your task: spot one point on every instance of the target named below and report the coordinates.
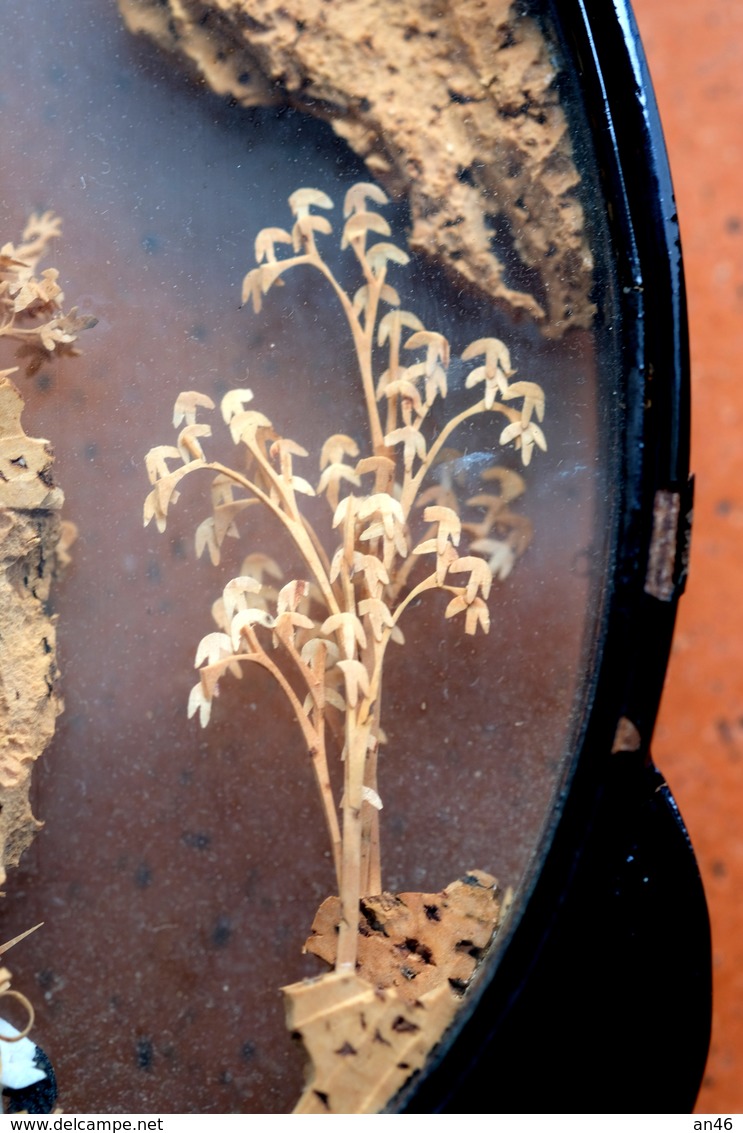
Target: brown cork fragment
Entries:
(29, 697)
(363, 1043)
(33, 320)
(659, 580)
(414, 942)
(366, 1032)
(626, 737)
(454, 108)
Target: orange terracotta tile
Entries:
(695, 51)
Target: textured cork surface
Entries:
(455, 109)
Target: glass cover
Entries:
(360, 252)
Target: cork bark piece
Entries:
(33, 320)
(455, 108)
(363, 1043)
(29, 696)
(413, 942)
(366, 1032)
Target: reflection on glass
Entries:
(389, 458)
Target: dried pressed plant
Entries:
(324, 638)
(31, 304)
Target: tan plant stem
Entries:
(357, 738)
(315, 741)
(318, 751)
(296, 528)
(413, 483)
(371, 867)
(371, 881)
(362, 336)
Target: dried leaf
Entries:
(259, 564)
(244, 426)
(526, 437)
(360, 223)
(358, 194)
(476, 613)
(244, 619)
(206, 540)
(302, 200)
(449, 525)
(188, 444)
(437, 348)
(480, 577)
(237, 592)
(380, 254)
(533, 396)
(500, 555)
(264, 243)
(379, 615)
(357, 680)
(336, 447)
(305, 228)
(292, 594)
(199, 702)
(349, 629)
(252, 288)
(213, 648)
(186, 406)
(156, 461)
(234, 402)
(392, 323)
(412, 440)
(370, 796)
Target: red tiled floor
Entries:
(695, 52)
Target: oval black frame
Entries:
(601, 999)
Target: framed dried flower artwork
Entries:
(372, 304)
